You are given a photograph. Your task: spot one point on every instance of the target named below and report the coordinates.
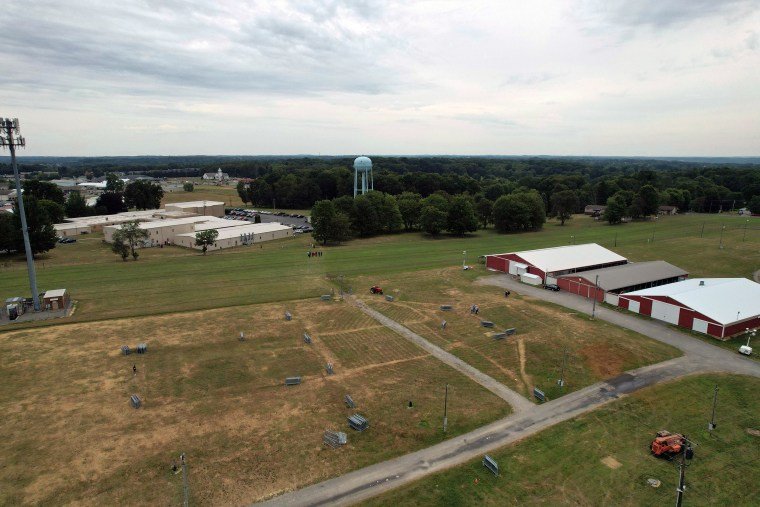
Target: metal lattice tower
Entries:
(11, 138)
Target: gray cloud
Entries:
(661, 14)
(305, 52)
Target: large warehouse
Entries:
(231, 237)
(163, 231)
(720, 307)
(554, 262)
(610, 282)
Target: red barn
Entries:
(720, 307)
(554, 262)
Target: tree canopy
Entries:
(206, 238)
(127, 237)
(143, 194)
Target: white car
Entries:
(746, 350)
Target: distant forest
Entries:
(696, 184)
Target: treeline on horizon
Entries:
(300, 182)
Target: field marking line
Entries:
(515, 400)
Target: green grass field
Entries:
(563, 465)
(175, 279)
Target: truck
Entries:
(668, 445)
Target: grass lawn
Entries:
(602, 458)
(176, 279)
(71, 436)
(204, 192)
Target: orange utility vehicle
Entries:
(668, 444)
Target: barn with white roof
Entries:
(720, 307)
(553, 262)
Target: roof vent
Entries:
(701, 283)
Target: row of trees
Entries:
(377, 213)
(696, 189)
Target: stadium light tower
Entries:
(11, 138)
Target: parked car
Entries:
(551, 286)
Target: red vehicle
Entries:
(376, 290)
(668, 444)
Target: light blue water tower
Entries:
(363, 166)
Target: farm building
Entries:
(554, 262)
(56, 299)
(202, 208)
(230, 237)
(720, 307)
(623, 278)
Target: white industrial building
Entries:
(230, 237)
(163, 231)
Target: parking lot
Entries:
(299, 223)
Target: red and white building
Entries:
(608, 283)
(720, 307)
(550, 263)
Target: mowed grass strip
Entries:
(576, 462)
(70, 435)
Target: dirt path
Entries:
(525, 377)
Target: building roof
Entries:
(569, 257)
(235, 232)
(216, 223)
(726, 300)
(55, 293)
(633, 273)
(169, 222)
(194, 204)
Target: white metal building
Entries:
(553, 262)
(202, 208)
(245, 234)
(721, 307)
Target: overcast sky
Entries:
(511, 77)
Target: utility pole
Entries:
(687, 453)
(464, 260)
(9, 128)
(744, 236)
(711, 426)
(701, 234)
(596, 288)
(562, 371)
(445, 409)
(184, 478)
(723, 228)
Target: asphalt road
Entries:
(699, 357)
